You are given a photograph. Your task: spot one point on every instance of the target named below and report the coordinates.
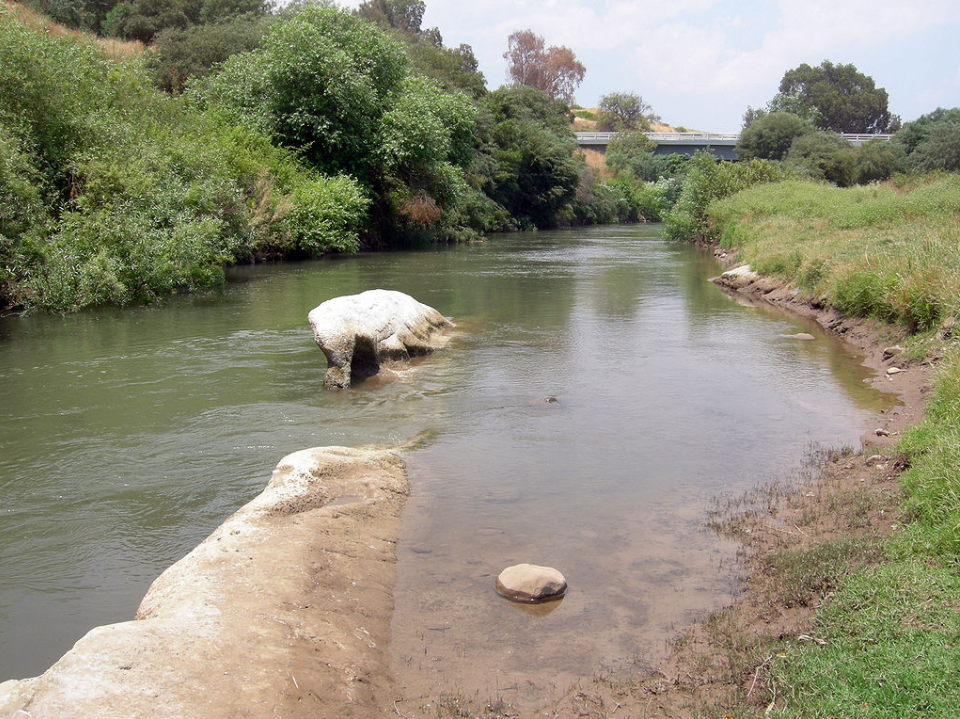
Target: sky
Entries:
(701, 63)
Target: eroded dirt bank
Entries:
(284, 611)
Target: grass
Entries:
(890, 649)
(882, 251)
(885, 639)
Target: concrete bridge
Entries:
(719, 144)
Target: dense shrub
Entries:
(179, 54)
(707, 180)
(112, 192)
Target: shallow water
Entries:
(669, 393)
(127, 436)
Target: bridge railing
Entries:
(603, 138)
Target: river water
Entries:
(127, 436)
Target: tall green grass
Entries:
(884, 251)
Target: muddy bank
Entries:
(871, 339)
(283, 611)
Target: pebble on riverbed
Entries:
(531, 584)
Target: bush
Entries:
(769, 137)
(708, 180)
(111, 192)
(179, 54)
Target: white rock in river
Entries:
(358, 333)
(531, 583)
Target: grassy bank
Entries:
(887, 627)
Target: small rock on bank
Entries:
(531, 583)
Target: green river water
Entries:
(126, 436)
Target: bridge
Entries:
(719, 144)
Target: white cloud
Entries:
(722, 54)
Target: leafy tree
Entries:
(824, 156)
(751, 115)
(554, 70)
(144, 19)
(940, 150)
(403, 15)
(453, 68)
(836, 98)
(597, 202)
(769, 137)
(625, 148)
(532, 171)
(320, 83)
(179, 54)
(932, 141)
(625, 111)
(81, 14)
(878, 160)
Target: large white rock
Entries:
(358, 333)
(531, 583)
(284, 611)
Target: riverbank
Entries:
(283, 611)
(803, 538)
(850, 597)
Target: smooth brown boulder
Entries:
(531, 583)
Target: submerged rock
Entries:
(358, 333)
(531, 583)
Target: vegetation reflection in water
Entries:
(129, 435)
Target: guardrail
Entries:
(603, 138)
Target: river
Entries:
(126, 436)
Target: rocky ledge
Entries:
(282, 612)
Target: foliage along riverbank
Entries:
(887, 627)
(323, 132)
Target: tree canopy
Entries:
(769, 137)
(932, 141)
(624, 111)
(554, 70)
(835, 97)
(144, 19)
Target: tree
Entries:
(836, 98)
(144, 19)
(453, 68)
(179, 54)
(554, 70)
(531, 170)
(932, 141)
(769, 137)
(824, 156)
(85, 14)
(320, 83)
(878, 160)
(403, 15)
(624, 111)
(940, 150)
(625, 151)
